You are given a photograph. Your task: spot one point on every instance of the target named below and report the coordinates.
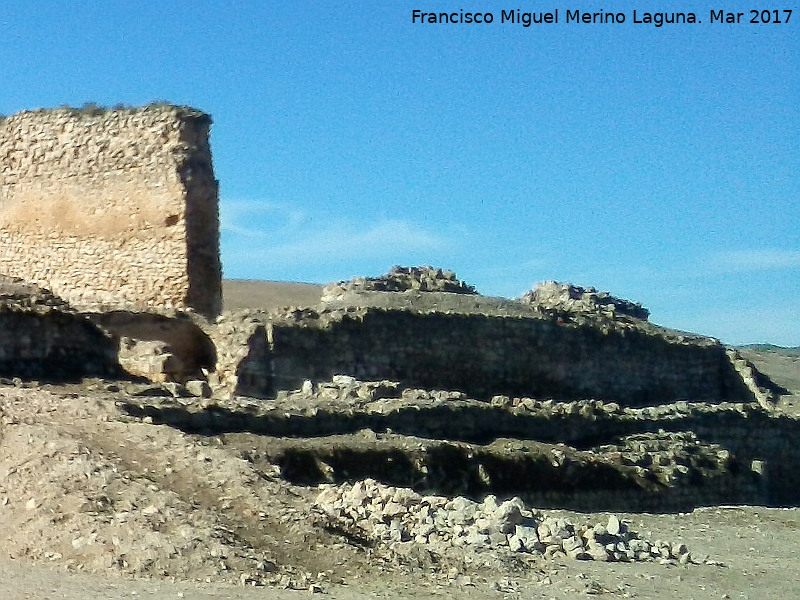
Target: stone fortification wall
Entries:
(158, 347)
(112, 209)
(484, 355)
(400, 279)
(582, 454)
(243, 364)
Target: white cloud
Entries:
(390, 241)
(766, 259)
(273, 240)
(256, 218)
(345, 240)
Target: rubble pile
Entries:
(17, 293)
(555, 296)
(401, 279)
(392, 517)
(675, 458)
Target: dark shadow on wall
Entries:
(487, 355)
(54, 347)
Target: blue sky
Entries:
(661, 164)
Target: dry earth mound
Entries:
(240, 294)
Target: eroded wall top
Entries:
(112, 209)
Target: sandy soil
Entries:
(783, 368)
(244, 293)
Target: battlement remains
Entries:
(401, 279)
(555, 296)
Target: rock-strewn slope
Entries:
(405, 521)
(110, 478)
(346, 479)
(580, 454)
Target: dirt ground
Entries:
(243, 293)
(95, 503)
(759, 549)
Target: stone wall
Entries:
(43, 338)
(158, 347)
(400, 279)
(582, 454)
(484, 355)
(243, 357)
(112, 209)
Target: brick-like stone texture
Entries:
(483, 355)
(112, 209)
(498, 347)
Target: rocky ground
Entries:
(120, 490)
(101, 501)
(783, 367)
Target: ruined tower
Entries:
(112, 209)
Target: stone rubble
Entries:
(401, 279)
(761, 387)
(553, 295)
(595, 454)
(18, 293)
(396, 518)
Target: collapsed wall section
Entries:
(55, 346)
(112, 209)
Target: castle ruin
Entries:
(568, 396)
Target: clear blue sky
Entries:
(661, 164)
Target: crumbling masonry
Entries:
(112, 209)
(567, 396)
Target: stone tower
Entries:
(112, 209)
